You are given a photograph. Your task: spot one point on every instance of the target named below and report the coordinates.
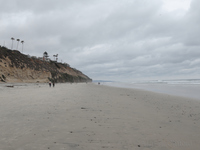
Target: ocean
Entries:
(189, 88)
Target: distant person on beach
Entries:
(53, 84)
(49, 84)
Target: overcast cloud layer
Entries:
(109, 39)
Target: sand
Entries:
(94, 117)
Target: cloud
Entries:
(109, 39)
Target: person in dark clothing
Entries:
(49, 84)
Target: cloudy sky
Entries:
(121, 40)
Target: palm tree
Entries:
(54, 57)
(22, 45)
(12, 38)
(18, 43)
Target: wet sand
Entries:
(94, 117)
(184, 90)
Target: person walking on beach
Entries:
(49, 84)
(53, 83)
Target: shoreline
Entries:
(88, 116)
(171, 90)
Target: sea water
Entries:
(189, 88)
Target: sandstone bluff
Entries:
(17, 67)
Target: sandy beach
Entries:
(93, 117)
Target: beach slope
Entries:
(93, 117)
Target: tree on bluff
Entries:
(45, 55)
(12, 38)
(18, 43)
(22, 45)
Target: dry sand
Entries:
(94, 117)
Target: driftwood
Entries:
(11, 86)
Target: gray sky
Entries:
(121, 40)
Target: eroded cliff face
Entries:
(17, 67)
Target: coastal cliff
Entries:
(17, 67)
